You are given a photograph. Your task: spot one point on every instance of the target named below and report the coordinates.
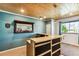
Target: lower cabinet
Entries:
(45, 48)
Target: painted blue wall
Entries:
(8, 39)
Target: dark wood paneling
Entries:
(42, 49)
(55, 47)
(55, 40)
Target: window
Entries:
(70, 27)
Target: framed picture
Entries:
(23, 27)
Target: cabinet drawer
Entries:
(55, 40)
(55, 47)
(48, 54)
(56, 54)
(42, 49)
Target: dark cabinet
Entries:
(41, 49)
(55, 47)
(50, 47)
(55, 40)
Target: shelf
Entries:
(42, 49)
(41, 44)
(44, 53)
(56, 51)
(47, 54)
(55, 40)
(56, 43)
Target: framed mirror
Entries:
(23, 27)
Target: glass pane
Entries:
(74, 27)
(71, 27)
(64, 27)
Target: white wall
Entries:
(50, 27)
(70, 38)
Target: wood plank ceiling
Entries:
(48, 10)
(34, 10)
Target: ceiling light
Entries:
(44, 17)
(41, 18)
(22, 10)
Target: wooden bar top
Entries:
(41, 39)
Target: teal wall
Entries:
(9, 39)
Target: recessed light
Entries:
(41, 18)
(22, 10)
(44, 17)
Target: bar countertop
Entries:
(40, 39)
